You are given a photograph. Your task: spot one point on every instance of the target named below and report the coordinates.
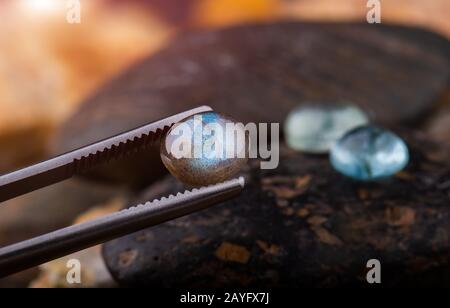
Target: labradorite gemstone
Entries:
(315, 128)
(200, 157)
(368, 153)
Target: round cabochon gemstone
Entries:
(314, 128)
(368, 153)
(205, 148)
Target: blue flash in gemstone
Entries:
(196, 150)
(368, 153)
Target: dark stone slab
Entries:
(302, 224)
(260, 72)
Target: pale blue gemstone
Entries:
(314, 128)
(368, 153)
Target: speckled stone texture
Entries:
(302, 224)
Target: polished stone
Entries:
(368, 153)
(197, 149)
(315, 128)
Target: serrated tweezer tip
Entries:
(62, 242)
(83, 159)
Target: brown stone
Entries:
(258, 73)
(401, 219)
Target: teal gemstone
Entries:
(368, 153)
(315, 128)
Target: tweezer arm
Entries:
(62, 242)
(65, 166)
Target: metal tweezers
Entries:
(59, 243)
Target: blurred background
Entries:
(48, 67)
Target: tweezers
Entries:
(56, 244)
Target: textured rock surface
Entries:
(260, 72)
(302, 224)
